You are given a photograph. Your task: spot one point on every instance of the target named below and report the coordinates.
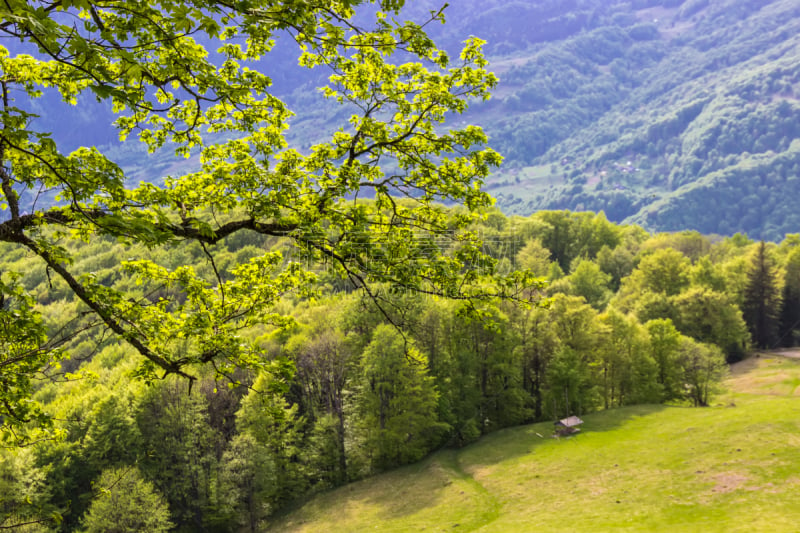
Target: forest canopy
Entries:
(190, 77)
(347, 389)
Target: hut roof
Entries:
(570, 422)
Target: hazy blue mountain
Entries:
(670, 114)
(667, 113)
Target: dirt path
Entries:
(793, 353)
(753, 361)
(774, 372)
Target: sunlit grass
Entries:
(732, 467)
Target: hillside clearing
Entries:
(732, 467)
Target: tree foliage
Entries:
(762, 298)
(126, 503)
(397, 399)
(790, 308)
(349, 388)
(191, 78)
(299, 380)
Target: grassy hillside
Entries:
(731, 467)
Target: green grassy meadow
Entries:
(731, 467)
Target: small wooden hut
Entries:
(568, 426)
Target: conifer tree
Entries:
(762, 298)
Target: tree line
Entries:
(349, 388)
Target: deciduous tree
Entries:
(664, 347)
(190, 77)
(397, 401)
(703, 368)
(126, 503)
(790, 301)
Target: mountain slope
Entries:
(727, 468)
(673, 115)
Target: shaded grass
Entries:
(733, 467)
